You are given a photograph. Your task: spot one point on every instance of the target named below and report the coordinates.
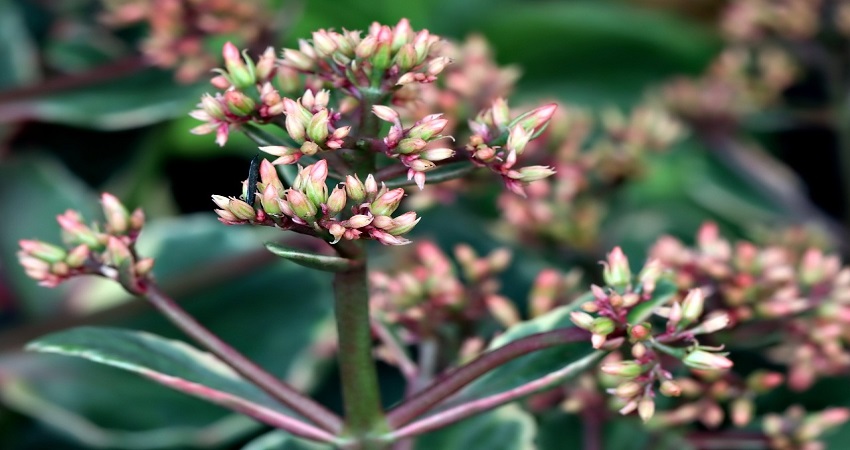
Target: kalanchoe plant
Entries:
(351, 121)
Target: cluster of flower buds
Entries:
(412, 146)
(307, 207)
(106, 250)
(384, 58)
(178, 28)
(310, 124)
(497, 141)
(798, 430)
(754, 20)
(430, 296)
(567, 208)
(739, 82)
(239, 104)
(610, 319)
(806, 296)
(708, 398)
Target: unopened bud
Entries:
(317, 130)
(628, 390)
(692, 306)
(534, 173)
(403, 223)
(239, 103)
(411, 145)
(336, 201)
(429, 127)
(582, 319)
(43, 250)
(387, 203)
(241, 75)
(703, 360)
(646, 408)
(77, 256)
(670, 388)
(355, 189)
(617, 272)
(117, 217)
(300, 204)
(144, 266)
(623, 369)
(241, 209)
(386, 113)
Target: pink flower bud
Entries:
(367, 47)
(502, 310)
(387, 203)
(336, 201)
(117, 253)
(300, 204)
(43, 250)
(117, 217)
(238, 103)
(240, 74)
(324, 44)
(534, 173)
(212, 106)
(623, 369)
(266, 64)
(437, 154)
(703, 360)
(536, 119)
(582, 319)
(220, 82)
(144, 266)
(371, 186)
(692, 306)
(670, 388)
(437, 65)
(386, 238)
(403, 223)
(646, 408)
(269, 200)
(406, 57)
(518, 138)
(421, 165)
(617, 272)
(295, 128)
(297, 60)
(355, 189)
(428, 127)
(358, 221)
(78, 256)
(387, 114)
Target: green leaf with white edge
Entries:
(506, 428)
(538, 364)
(321, 262)
(281, 440)
(172, 363)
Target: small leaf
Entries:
(507, 428)
(311, 260)
(171, 363)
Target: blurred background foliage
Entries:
(82, 112)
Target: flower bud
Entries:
(371, 186)
(428, 127)
(266, 64)
(117, 253)
(297, 60)
(386, 113)
(623, 369)
(295, 128)
(300, 204)
(355, 189)
(581, 319)
(241, 75)
(144, 266)
(117, 217)
(692, 306)
(518, 138)
(43, 250)
(628, 390)
(78, 256)
(359, 221)
(387, 203)
(336, 201)
(367, 47)
(646, 408)
(323, 43)
(534, 173)
(411, 145)
(670, 388)
(241, 209)
(406, 57)
(617, 272)
(421, 165)
(703, 360)
(239, 103)
(437, 154)
(536, 119)
(602, 326)
(403, 223)
(317, 130)
(269, 200)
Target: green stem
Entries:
(364, 417)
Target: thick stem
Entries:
(447, 385)
(460, 412)
(278, 389)
(361, 396)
